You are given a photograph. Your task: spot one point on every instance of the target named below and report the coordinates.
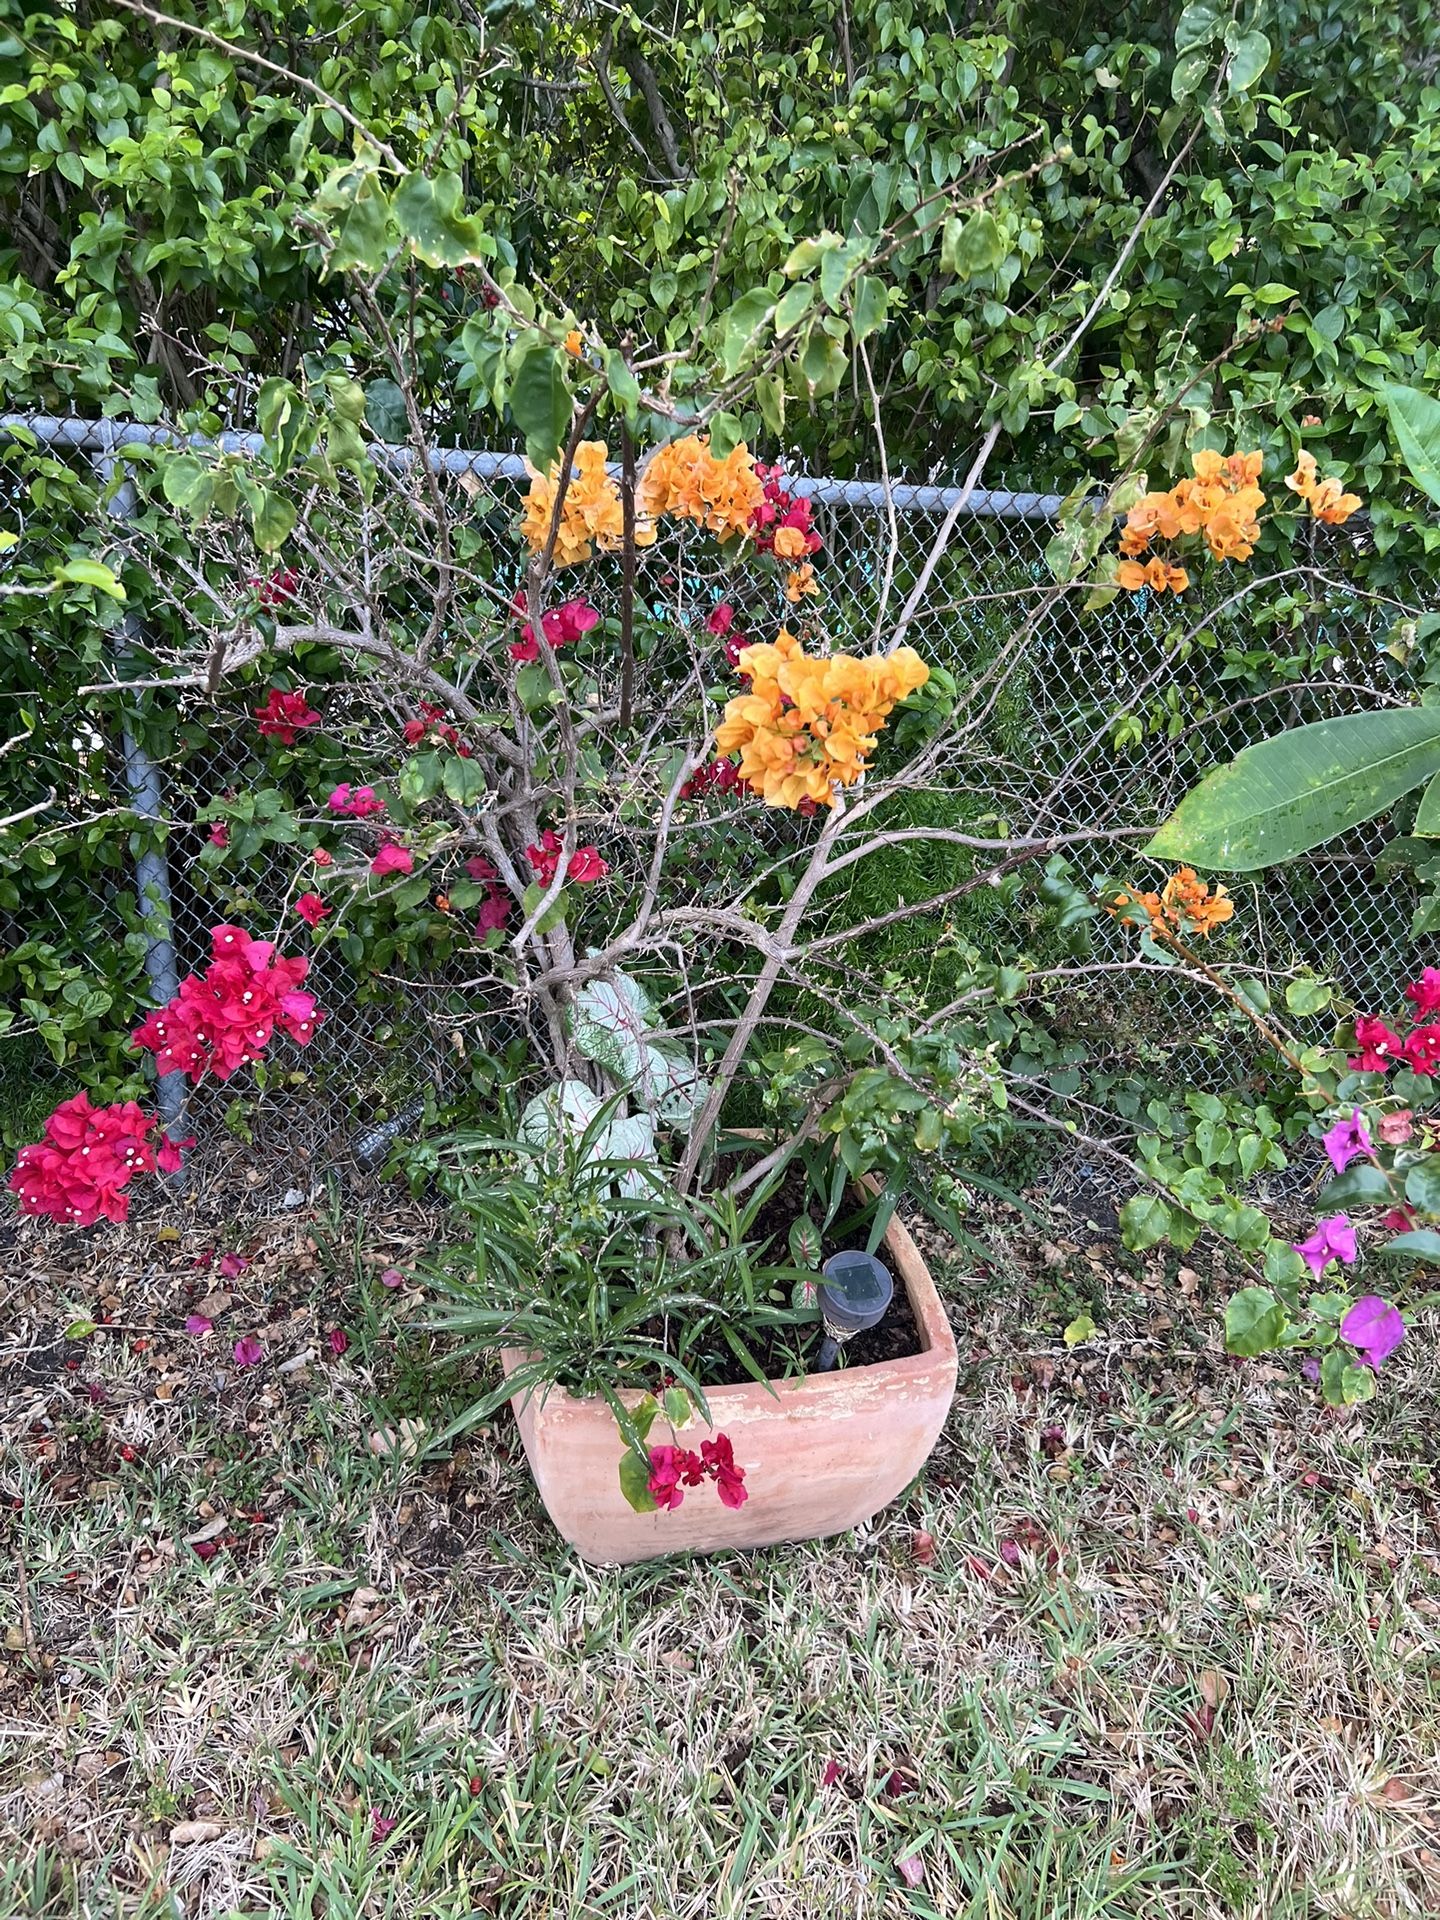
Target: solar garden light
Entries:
(855, 1289)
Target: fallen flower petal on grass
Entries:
(248, 1351)
(911, 1870)
(392, 1278)
(339, 1340)
(197, 1325)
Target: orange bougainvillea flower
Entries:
(591, 516)
(807, 725)
(790, 543)
(684, 479)
(1326, 498)
(1155, 573)
(800, 582)
(1221, 501)
(1186, 904)
(574, 344)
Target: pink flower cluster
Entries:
(674, 1468)
(585, 863)
(392, 858)
(358, 802)
(226, 1017)
(719, 776)
(562, 626)
(1382, 1048)
(80, 1170)
(780, 508)
(433, 719)
(283, 714)
(495, 907)
(721, 622)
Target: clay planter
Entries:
(821, 1454)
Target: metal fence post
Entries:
(152, 867)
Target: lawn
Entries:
(1158, 1634)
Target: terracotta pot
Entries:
(821, 1453)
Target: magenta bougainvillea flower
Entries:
(283, 714)
(1333, 1239)
(1374, 1328)
(562, 626)
(494, 913)
(1424, 993)
(381, 1825)
(248, 1351)
(1422, 1050)
(339, 1341)
(1379, 1047)
(232, 1265)
(311, 909)
(198, 1326)
(219, 835)
(672, 1469)
(392, 859)
(719, 1458)
(357, 802)
(79, 1171)
(1347, 1140)
(219, 1021)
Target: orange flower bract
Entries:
(591, 516)
(1221, 501)
(684, 478)
(807, 724)
(1185, 904)
(1326, 499)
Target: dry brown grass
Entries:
(1207, 1686)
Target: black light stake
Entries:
(855, 1289)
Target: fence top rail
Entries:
(104, 437)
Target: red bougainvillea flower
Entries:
(283, 714)
(720, 619)
(1422, 1050)
(1424, 993)
(670, 1468)
(281, 586)
(79, 1171)
(479, 868)
(1398, 1219)
(432, 720)
(392, 859)
(1347, 1140)
(1374, 1328)
(781, 523)
(494, 913)
(720, 776)
(219, 1022)
(311, 909)
(1333, 1239)
(1379, 1047)
(248, 1351)
(358, 802)
(719, 1458)
(586, 865)
(219, 835)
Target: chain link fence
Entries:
(1068, 720)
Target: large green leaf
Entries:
(1292, 793)
(1254, 1321)
(1415, 422)
(427, 212)
(541, 403)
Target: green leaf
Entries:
(534, 686)
(81, 1329)
(794, 306)
(89, 573)
(273, 520)
(741, 328)
(1415, 421)
(427, 213)
(362, 234)
(1273, 292)
(553, 915)
(188, 484)
(1342, 1382)
(1249, 57)
(1361, 1185)
(1189, 70)
(1427, 817)
(1423, 1245)
(624, 387)
(726, 434)
(1422, 1185)
(541, 404)
(870, 302)
(972, 246)
(1254, 1321)
(1145, 1220)
(635, 1481)
(678, 1407)
(463, 781)
(1304, 997)
(385, 411)
(1279, 799)
(1198, 24)
(1080, 1329)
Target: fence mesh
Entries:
(1100, 719)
